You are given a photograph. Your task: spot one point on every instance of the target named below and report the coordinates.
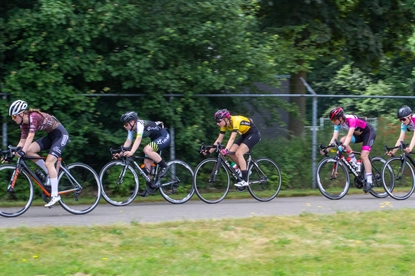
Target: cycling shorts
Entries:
(55, 141)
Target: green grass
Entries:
(369, 243)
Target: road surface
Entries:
(106, 214)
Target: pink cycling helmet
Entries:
(221, 114)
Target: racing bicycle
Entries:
(401, 184)
(120, 180)
(79, 187)
(334, 173)
(212, 177)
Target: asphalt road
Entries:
(106, 214)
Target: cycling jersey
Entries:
(39, 121)
(410, 126)
(240, 124)
(160, 138)
(144, 128)
(351, 121)
(364, 133)
(57, 137)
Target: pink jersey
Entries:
(38, 121)
(350, 122)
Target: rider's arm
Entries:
(136, 144)
(28, 141)
(218, 140)
(348, 137)
(335, 136)
(400, 139)
(411, 145)
(231, 139)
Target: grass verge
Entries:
(370, 243)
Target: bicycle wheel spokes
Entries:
(400, 183)
(377, 165)
(79, 189)
(333, 178)
(176, 185)
(13, 204)
(264, 179)
(119, 183)
(211, 184)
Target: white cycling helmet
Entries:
(16, 107)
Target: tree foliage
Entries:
(55, 52)
(358, 32)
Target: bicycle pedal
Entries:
(240, 189)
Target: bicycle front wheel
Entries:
(15, 202)
(176, 185)
(79, 188)
(378, 190)
(264, 179)
(119, 183)
(211, 183)
(399, 184)
(333, 178)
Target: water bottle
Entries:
(358, 165)
(236, 168)
(145, 170)
(354, 165)
(153, 169)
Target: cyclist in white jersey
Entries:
(358, 131)
(404, 114)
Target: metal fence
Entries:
(316, 123)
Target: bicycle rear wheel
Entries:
(377, 164)
(119, 183)
(176, 185)
(211, 184)
(400, 184)
(79, 189)
(333, 178)
(14, 203)
(264, 179)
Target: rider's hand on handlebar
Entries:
(20, 153)
(224, 151)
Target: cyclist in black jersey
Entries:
(139, 129)
(250, 136)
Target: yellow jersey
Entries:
(240, 124)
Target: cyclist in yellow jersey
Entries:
(250, 136)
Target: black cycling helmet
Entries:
(128, 116)
(404, 111)
(336, 113)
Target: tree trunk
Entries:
(296, 121)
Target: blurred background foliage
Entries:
(89, 61)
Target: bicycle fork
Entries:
(10, 188)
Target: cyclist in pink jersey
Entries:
(358, 131)
(30, 121)
(404, 114)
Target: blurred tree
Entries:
(55, 51)
(363, 31)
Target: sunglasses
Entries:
(402, 119)
(126, 124)
(218, 121)
(14, 117)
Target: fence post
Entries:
(314, 135)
